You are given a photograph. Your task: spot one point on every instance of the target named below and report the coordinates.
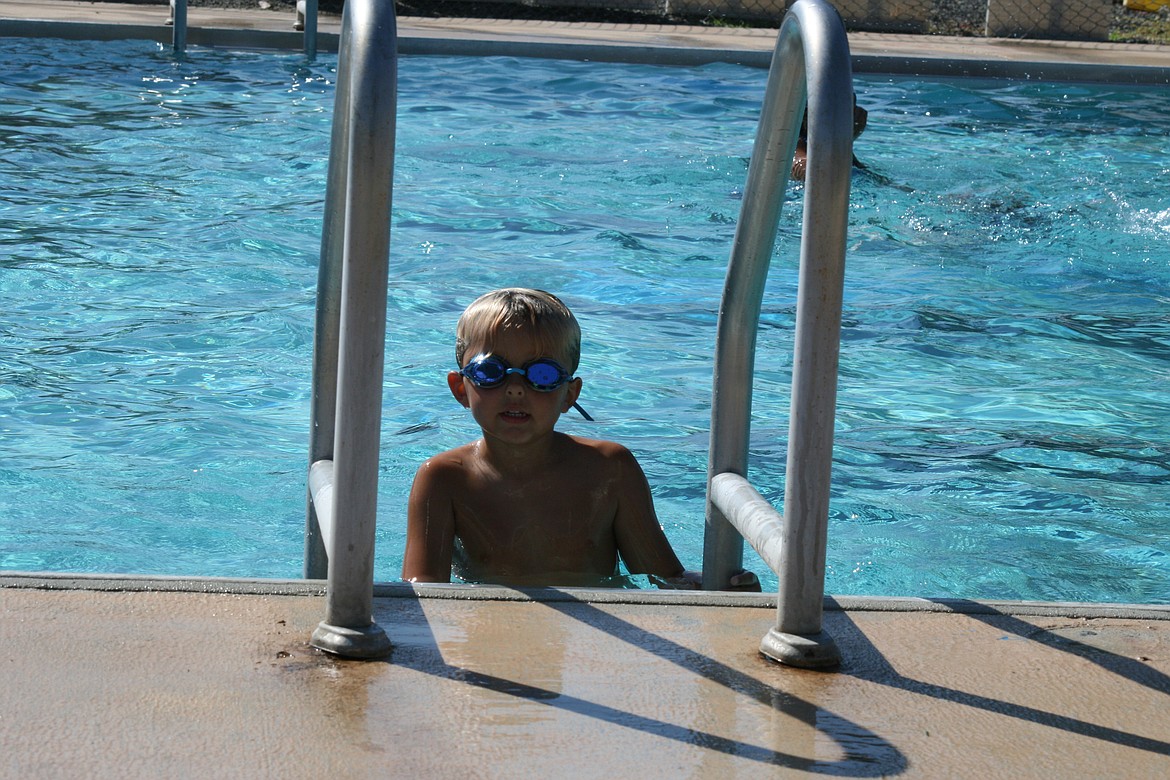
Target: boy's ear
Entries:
(573, 393)
(455, 381)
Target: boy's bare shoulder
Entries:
(602, 450)
(450, 464)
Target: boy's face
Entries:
(513, 412)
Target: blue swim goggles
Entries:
(544, 375)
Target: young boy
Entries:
(526, 505)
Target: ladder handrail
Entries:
(306, 19)
(811, 57)
(178, 22)
(349, 341)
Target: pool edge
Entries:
(65, 581)
(897, 55)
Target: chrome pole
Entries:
(326, 334)
(178, 23)
(356, 236)
(798, 637)
(811, 58)
(310, 25)
(739, 310)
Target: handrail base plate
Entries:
(812, 651)
(362, 643)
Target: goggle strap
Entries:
(584, 413)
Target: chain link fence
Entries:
(1134, 21)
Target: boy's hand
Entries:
(742, 581)
(688, 580)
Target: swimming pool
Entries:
(1001, 417)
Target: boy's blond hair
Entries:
(542, 314)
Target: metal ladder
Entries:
(306, 19)
(811, 57)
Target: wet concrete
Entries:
(134, 681)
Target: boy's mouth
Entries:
(515, 415)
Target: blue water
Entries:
(1002, 414)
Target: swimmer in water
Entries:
(526, 505)
(800, 157)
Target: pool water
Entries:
(1002, 423)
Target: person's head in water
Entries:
(800, 156)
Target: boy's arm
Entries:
(643, 544)
(640, 539)
(430, 526)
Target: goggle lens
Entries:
(543, 375)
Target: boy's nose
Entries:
(514, 385)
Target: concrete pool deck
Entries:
(211, 678)
(159, 677)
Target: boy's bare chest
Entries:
(541, 504)
(558, 516)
